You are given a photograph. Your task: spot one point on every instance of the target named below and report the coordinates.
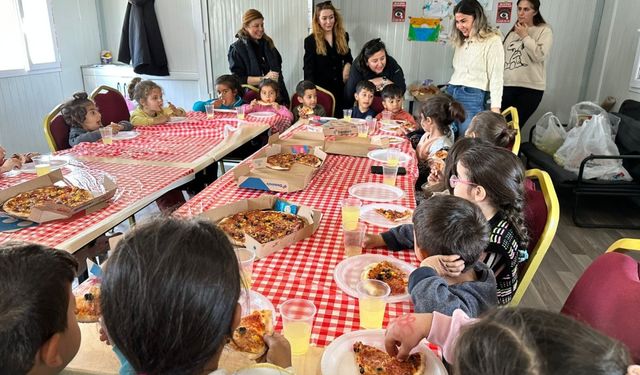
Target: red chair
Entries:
(112, 105)
(325, 99)
(250, 93)
(607, 298)
(376, 105)
(56, 130)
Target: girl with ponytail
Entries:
(493, 128)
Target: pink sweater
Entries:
(446, 329)
(278, 126)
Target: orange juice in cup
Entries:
(297, 322)
(350, 213)
(42, 164)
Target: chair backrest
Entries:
(325, 99)
(376, 105)
(625, 244)
(541, 239)
(606, 297)
(511, 115)
(112, 105)
(250, 93)
(56, 130)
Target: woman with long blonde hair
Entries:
(327, 57)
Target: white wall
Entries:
(25, 100)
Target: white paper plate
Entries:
(55, 164)
(349, 271)
(338, 357)
(251, 300)
(261, 114)
(357, 120)
(368, 213)
(376, 192)
(393, 139)
(223, 110)
(390, 124)
(380, 155)
(125, 135)
(176, 119)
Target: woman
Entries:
(373, 64)
(477, 62)
(327, 57)
(526, 49)
(254, 57)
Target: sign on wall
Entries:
(503, 15)
(398, 11)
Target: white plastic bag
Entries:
(592, 138)
(549, 134)
(583, 111)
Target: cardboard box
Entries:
(256, 175)
(354, 146)
(265, 202)
(303, 138)
(51, 211)
(341, 128)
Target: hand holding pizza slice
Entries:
(248, 337)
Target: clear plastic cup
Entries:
(371, 123)
(363, 129)
(297, 321)
(346, 114)
(42, 164)
(350, 212)
(210, 111)
(372, 301)
(353, 240)
(393, 156)
(389, 174)
(246, 258)
(107, 135)
(386, 117)
(240, 111)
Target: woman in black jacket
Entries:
(373, 64)
(254, 57)
(327, 57)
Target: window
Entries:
(27, 41)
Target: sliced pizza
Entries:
(21, 205)
(388, 273)
(373, 361)
(248, 336)
(394, 216)
(88, 304)
(281, 162)
(309, 159)
(264, 226)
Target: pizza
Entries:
(409, 127)
(88, 304)
(264, 226)
(441, 154)
(284, 162)
(388, 273)
(20, 206)
(248, 336)
(305, 111)
(393, 215)
(308, 159)
(373, 361)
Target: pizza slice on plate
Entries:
(248, 336)
(394, 216)
(373, 361)
(88, 304)
(389, 273)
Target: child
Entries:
(364, 98)
(149, 97)
(492, 127)
(512, 341)
(82, 115)
(228, 87)
(39, 333)
(392, 99)
(492, 178)
(170, 298)
(448, 225)
(308, 96)
(6, 165)
(269, 92)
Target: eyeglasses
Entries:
(454, 180)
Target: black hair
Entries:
(459, 148)
(448, 225)
(392, 91)
(303, 86)
(443, 110)
(34, 299)
(267, 82)
(74, 111)
(365, 85)
(169, 293)
(231, 81)
(369, 49)
(493, 128)
(537, 19)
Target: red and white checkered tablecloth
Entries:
(305, 269)
(135, 182)
(198, 124)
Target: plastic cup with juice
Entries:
(346, 114)
(363, 130)
(297, 322)
(350, 212)
(42, 164)
(240, 111)
(389, 174)
(209, 108)
(372, 301)
(353, 240)
(393, 156)
(245, 260)
(107, 135)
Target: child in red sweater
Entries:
(392, 99)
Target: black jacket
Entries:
(244, 63)
(141, 42)
(392, 71)
(326, 71)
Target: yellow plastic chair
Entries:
(547, 235)
(56, 131)
(625, 244)
(512, 112)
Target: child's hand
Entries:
(276, 106)
(11, 164)
(373, 240)
(3, 152)
(434, 177)
(115, 128)
(253, 103)
(217, 103)
(445, 265)
(273, 75)
(161, 118)
(279, 352)
(405, 333)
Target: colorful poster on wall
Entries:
(398, 11)
(438, 8)
(503, 15)
(423, 29)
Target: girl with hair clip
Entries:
(493, 128)
(327, 57)
(148, 95)
(268, 102)
(170, 300)
(492, 178)
(478, 62)
(531, 342)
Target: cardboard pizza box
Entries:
(50, 211)
(353, 146)
(256, 175)
(266, 202)
(308, 138)
(340, 127)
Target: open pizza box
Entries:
(353, 146)
(50, 211)
(266, 202)
(340, 128)
(308, 138)
(256, 174)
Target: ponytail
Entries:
(443, 110)
(493, 128)
(456, 111)
(132, 86)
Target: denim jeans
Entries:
(472, 99)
